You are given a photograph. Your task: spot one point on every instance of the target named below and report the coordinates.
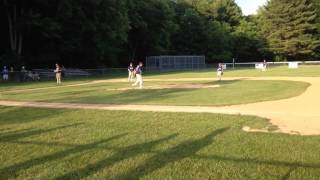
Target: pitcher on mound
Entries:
(220, 72)
(139, 79)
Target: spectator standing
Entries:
(58, 74)
(131, 72)
(5, 74)
(23, 74)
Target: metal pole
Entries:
(233, 62)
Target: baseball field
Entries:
(181, 125)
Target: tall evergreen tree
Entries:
(290, 28)
(316, 4)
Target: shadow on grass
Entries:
(160, 160)
(225, 82)
(11, 136)
(125, 97)
(134, 96)
(256, 161)
(141, 96)
(4, 129)
(12, 132)
(12, 171)
(120, 155)
(137, 96)
(8, 115)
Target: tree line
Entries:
(111, 33)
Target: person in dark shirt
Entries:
(5, 73)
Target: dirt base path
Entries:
(300, 114)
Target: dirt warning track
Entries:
(299, 114)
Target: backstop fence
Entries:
(165, 63)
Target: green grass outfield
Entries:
(284, 71)
(303, 71)
(64, 144)
(229, 93)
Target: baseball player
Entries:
(220, 72)
(5, 73)
(58, 74)
(138, 72)
(264, 65)
(131, 73)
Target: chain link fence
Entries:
(254, 65)
(169, 63)
(106, 73)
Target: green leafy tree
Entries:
(150, 28)
(225, 11)
(93, 32)
(198, 34)
(22, 16)
(247, 45)
(219, 42)
(191, 36)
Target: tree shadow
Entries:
(12, 171)
(120, 155)
(9, 116)
(288, 174)
(177, 153)
(11, 132)
(190, 148)
(187, 149)
(11, 136)
(225, 82)
(137, 96)
(5, 129)
(256, 161)
(125, 97)
(42, 143)
(134, 96)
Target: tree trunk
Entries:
(10, 25)
(15, 36)
(20, 43)
(20, 36)
(134, 50)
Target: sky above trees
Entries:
(250, 6)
